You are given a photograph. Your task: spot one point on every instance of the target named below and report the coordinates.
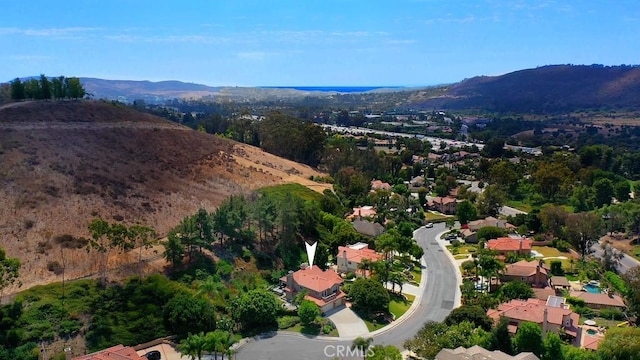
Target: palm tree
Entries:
(219, 341)
(208, 287)
(193, 346)
(362, 344)
(364, 266)
(396, 278)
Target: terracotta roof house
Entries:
(380, 185)
(350, 256)
(532, 272)
(446, 205)
(599, 301)
(506, 245)
(479, 353)
(551, 316)
(118, 352)
(322, 286)
(367, 227)
(362, 211)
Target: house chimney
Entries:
(545, 322)
(290, 280)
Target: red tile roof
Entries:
(363, 211)
(510, 244)
(591, 342)
(533, 310)
(314, 278)
(118, 352)
(599, 299)
(524, 267)
(379, 184)
(442, 200)
(356, 255)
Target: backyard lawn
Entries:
(547, 252)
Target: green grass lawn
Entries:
(520, 205)
(547, 251)
(462, 249)
(373, 327)
(460, 257)
(280, 191)
(429, 216)
(417, 274)
(398, 305)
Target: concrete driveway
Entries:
(348, 323)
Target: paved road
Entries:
(509, 211)
(438, 299)
(626, 262)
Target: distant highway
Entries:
(433, 140)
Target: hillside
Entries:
(547, 89)
(65, 163)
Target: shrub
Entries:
(562, 246)
(575, 301)
(556, 268)
(55, 267)
(286, 322)
(613, 314)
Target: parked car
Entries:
(153, 355)
(429, 225)
(451, 237)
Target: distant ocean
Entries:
(343, 89)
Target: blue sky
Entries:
(311, 42)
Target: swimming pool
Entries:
(591, 288)
(591, 332)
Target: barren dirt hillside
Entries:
(65, 163)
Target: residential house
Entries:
(446, 205)
(552, 315)
(322, 286)
(490, 221)
(509, 245)
(380, 185)
(599, 301)
(367, 227)
(118, 352)
(362, 211)
(417, 181)
(559, 283)
(351, 256)
(469, 236)
(532, 272)
(479, 353)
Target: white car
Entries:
(429, 225)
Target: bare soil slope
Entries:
(65, 163)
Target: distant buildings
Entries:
(350, 256)
(362, 211)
